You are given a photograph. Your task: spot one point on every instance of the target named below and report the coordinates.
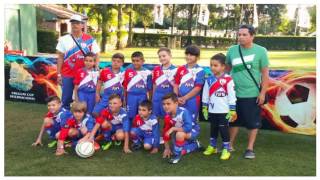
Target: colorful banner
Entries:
(291, 107)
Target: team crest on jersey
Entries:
(222, 82)
(83, 45)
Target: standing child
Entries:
(51, 122)
(111, 80)
(184, 128)
(74, 126)
(163, 80)
(145, 129)
(218, 97)
(137, 84)
(189, 80)
(85, 82)
(113, 122)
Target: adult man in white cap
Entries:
(71, 57)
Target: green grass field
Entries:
(278, 154)
(291, 60)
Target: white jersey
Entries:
(219, 94)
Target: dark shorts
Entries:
(249, 114)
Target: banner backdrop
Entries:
(291, 108)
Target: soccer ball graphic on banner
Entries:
(85, 149)
(296, 105)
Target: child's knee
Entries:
(180, 136)
(120, 136)
(147, 146)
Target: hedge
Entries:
(271, 43)
(47, 41)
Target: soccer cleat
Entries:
(225, 155)
(175, 159)
(210, 150)
(52, 144)
(117, 143)
(136, 146)
(106, 146)
(249, 154)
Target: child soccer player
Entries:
(111, 80)
(189, 80)
(146, 129)
(113, 121)
(163, 80)
(137, 84)
(218, 97)
(74, 126)
(184, 128)
(85, 82)
(51, 122)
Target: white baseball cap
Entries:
(76, 17)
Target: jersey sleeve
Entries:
(49, 115)
(95, 47)
(264, 60)
(187, 121)
(231, 96)
(60, 46)
(126, 123)
(102, 76)
(64, 118)
(200, 79)
(205, 94)
(156, 135)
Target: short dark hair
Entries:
(147, 104)
(137, 54)
(171, 96)
(114, 96)
(193, 50)
(118, 56)
(219, 57)
(90, 54)
(250, 28)
(164, 49)
(53, 98)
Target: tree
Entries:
(313, 15)
(119, 8)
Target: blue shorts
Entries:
(145, 137)
(195, 132)
(52, 131)
(157, 107)
(102, 104)
(114, 129)
(133, 101)
(192, 105)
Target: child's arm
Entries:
(75, 91)
(39, 139)
(191, 94)
(156, 135)
(98, 90)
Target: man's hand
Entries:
(261, 98)
(205, 112)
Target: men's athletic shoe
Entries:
(106, 146)
(175, 159)
(52, 144)
(225, 155)
(249, 154)
(210, 150)
(136, 146)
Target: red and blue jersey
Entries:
(116, 120)
(112, 82)
(163, 79)
(86, 80)
(56, 117)
(68, 121)
(188, 78)
(137, 82)
(73, 57)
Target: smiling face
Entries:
(54, 106)
(78, 115)
(117, 63)
(191, 59)
(76, 27)
(216, 67)
(89, 62)
(164, 58)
